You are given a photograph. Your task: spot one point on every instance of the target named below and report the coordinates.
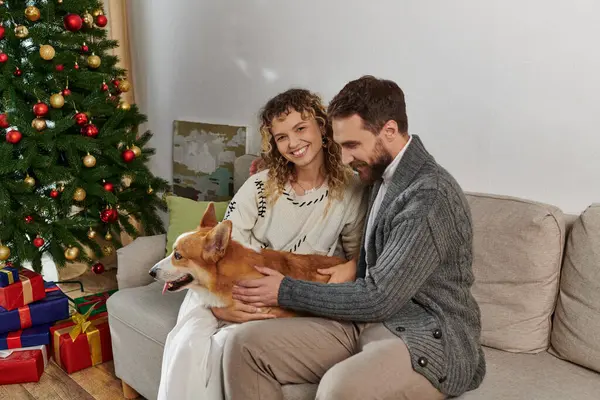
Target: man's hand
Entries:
(239, 312)
(262, 292)
(340, 273)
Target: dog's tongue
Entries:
(165, 287)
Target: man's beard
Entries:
(374, 171)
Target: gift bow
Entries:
(81, 323)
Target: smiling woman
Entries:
(305, 201)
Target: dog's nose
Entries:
(153, 272)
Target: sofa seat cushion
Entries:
(575, 336)
(146, 310)
(517, 255)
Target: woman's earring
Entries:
(324, 141)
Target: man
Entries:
(408, 326)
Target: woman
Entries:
(304, 201)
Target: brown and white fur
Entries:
(210, 262)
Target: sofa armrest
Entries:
(135, 260)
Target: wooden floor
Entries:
(98, 382)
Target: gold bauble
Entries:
(89, 161)
(88, 20)
(71, 253)
(57, 100)
(126, 180)
(150, 190)
(91, 234)
(32, 13)
(108, 236)
(97, 12)
(107, 250)
(79, 194)
(29, 181)
(124, 105)
(39, 124)
(4, 252)
(94, 61)
(47, 52)
(124, 86)
(21, 32)
(136, 150)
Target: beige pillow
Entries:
(576, 333)
(517, 254)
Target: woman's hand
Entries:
(239, 312)
(340, 273)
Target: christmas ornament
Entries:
(79, 194)
(32, 13)
(40, 109)
(13, 137)
(38, 124)
(84, 48)
(89, 130)
(47, 52)
(116, 82)
(29, 181)
(38, 242)
(88, 20)
(89, 161)
(109, 187)
(124, 105)
(97, 12)
(109, 215)
(125, 86)
(73, 22)
(4, 121)
(3, 58)
(136, 150)
(91, 234)
(2, 31)
(101, 21)
(108, 236)
(128, 156)
(94, 61)
(71, 253)
(21, 32)
(150, 190)
(66, 92)
(81, 119)
(98, 268)
(126, 180)
(57, 100)
(4, 252)
(60, 67)
(28, 219)
(104, 87)
(54, 193)
(18, 72)
(76, 66)
(107, 250)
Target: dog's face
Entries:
(193, 261)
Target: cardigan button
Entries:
(422, 362)
(400, 329)
(437, 333)
(442, 379)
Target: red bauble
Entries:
(54, 193)
(98, 268)
(128, 156)
(116, 82)
(2, 30)
(109, 187)
(3, 58)
(18, 72)
(76, 66)
(4, 121)
(109, 215)
(104, 87)
(38, 242)
(66, 92)
(85, 49)
(101, 21)
(73, 22)
(60, 67)
(13, 137)
(89, 130)
(28, 219)
(81, 119)
(40, 109)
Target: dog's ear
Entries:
(216, 242)
(209, 219)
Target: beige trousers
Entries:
(348, 360)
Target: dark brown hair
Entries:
(375, 101)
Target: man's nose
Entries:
(346, 157)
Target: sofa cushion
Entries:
(575, 334)
(518, 246)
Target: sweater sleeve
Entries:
(243, 211)
(407, 260)
(351, 235)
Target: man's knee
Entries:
(336, 385)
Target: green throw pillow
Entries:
(185, 215)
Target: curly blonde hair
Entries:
(309, 105)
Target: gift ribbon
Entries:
(42, 348)
(27, 289)
(25, 317)
(51, 289)
(82, 325)
(11, 279)
(13, 340)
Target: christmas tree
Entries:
(72, 165)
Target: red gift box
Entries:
(30, 288)
(81, 342)
(22, 365)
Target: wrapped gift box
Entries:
(81, 342)
(98, 301)
(22, 365)
(8, 276)
(29, 337)
(30, 288)
(54, 307)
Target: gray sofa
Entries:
(537, 282)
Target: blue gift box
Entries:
(54, 307)
(8, 276)
(35, 336)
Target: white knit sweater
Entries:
(298, 223)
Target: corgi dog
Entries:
(210, 262)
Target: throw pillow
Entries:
(185, 215)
